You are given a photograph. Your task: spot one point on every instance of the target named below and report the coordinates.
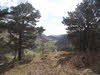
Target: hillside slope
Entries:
(48, 64)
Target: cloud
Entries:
(51, 11)
(8, 3)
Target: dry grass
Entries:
(55, 63)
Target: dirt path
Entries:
(43, 68)
(39, 67)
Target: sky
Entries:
(52, 12)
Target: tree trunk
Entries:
(20, 47)
(85, 40)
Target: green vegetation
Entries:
(24, 50)
(44, 46)
(83, 25)
(18, 33)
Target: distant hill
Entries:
(43, 37)
(51, 37)
(56, 37)
(44, 44)
(64, 43)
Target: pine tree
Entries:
(22, 27)
(83, 23)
